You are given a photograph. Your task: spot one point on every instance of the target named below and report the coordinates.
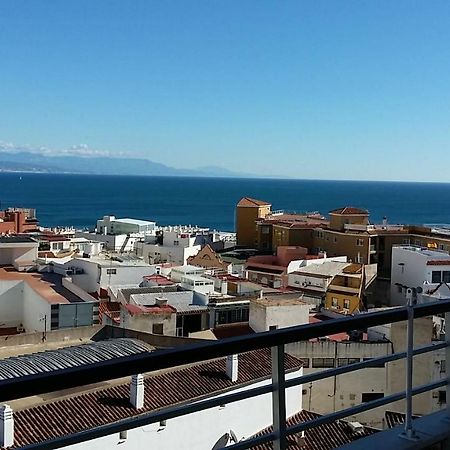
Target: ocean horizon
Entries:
(79, 200)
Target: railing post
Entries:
(279, 398)
(409, 432)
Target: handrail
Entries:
(162, 359)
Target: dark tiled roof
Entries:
(349, 210)
(16, 240)
(323, 437)
(93, 409)
(247, 201)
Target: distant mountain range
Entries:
(25, 161)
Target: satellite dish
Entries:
(233, 437)
(419, 289)
(221, 442)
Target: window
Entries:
(319, 363)
(442, 398)
(435, 276)
(111, 271)
(347, 361)
(157, 328)
(360, 242)
(446, 276)
(334, 302)
(442, 366)
(176, 243)
(346, 303)
(378, 365)
(369, 396)
(406, 241)
(305, 362)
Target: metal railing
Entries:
(79, 376)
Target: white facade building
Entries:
(198, 284)
(178, 273)
(417, 267)
(99, 272)
(201, 430)
(20, 252)
(111, 225)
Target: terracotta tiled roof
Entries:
(111, 310)
(247, 201)
(439, 262)
(93, 409)
(323, 437)
(349, 210)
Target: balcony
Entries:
(420, 433)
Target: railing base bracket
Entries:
(412, 436)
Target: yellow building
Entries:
(248, 211)
(345, 292)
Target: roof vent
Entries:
(6, 426)
(137, 391)
(232, 367)
(355, 427)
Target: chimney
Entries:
(232, 367)
(6, 426)
(137, 391)
(161, 301)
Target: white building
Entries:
(270, 314)
(200, 430)
(419, 271)
(114, 242)
(198, 284)
(111, 225)
(178, 273)
(18, 251)
(97, 273)
(31, 302)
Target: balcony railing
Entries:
(79, 376)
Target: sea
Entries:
(79, 200)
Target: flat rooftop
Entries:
(47, 285)
(17, 240)
(278, 302)
(134, 221)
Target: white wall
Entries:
(201, 430)
(262, 317)
(409, 268)
(11, 303)
(155, 253)
(17, 255)
(35, 309)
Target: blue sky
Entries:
(308, 89)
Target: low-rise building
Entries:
(178, 273)
(160, 318)
(18, 220)
(210, 260)
(273, 271)
(272, 313)
(33, 302)
(21, 252)
(419, 272)
(111, 225)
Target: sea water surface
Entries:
(79, 200)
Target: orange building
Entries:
(248, 211)
(18, 220)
